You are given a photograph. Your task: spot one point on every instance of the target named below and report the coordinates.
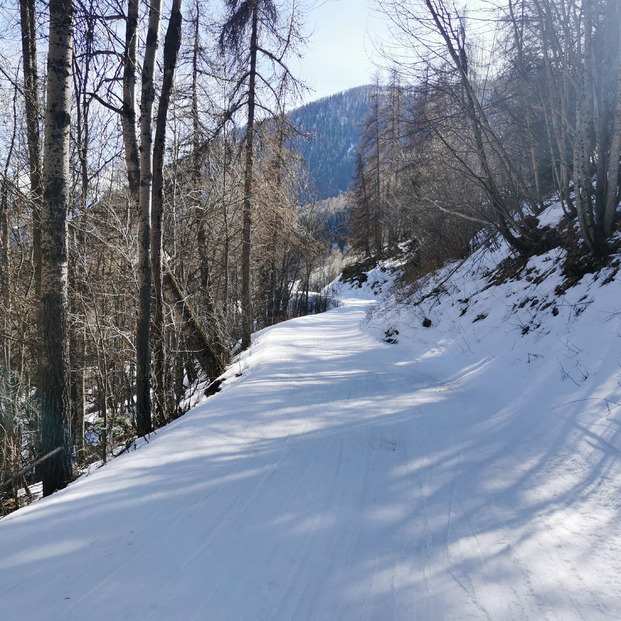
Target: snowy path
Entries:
(339, 477)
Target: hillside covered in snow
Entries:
(446, 449)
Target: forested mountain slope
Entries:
(331, 129)
(443, 450)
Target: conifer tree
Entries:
(255, 40)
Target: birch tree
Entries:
(54, 373)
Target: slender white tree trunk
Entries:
(54, 380)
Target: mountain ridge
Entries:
(330, 130)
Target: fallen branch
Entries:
(25, 469)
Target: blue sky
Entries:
(340, 46)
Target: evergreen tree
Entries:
(256, 42)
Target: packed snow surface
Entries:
(469, 471)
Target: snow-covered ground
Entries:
(469, 471)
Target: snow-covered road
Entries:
(336, 476)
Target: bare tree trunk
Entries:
(144, 424)
(172, 41)
(556, 93)
(377, 173)
(5, 267)
(31, 96)
(361, 216)
(76, 357)
(227, 237)
(598, 124)
(244, 18)
(195, 120)
(54, 369)
(77, 345)
(246, 301)
(208, 357)
(128, 110)
(583, 146)
(518, 39)
(613, 189)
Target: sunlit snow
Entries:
(469, 471)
